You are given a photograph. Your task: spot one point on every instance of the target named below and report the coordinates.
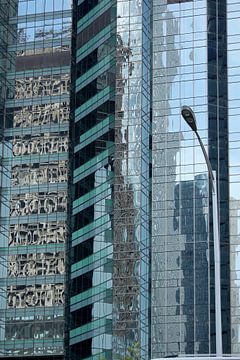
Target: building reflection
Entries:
(35, 79)
(180, 241)
(191, 224)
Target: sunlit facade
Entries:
(189, 68)
(35, 83)
(106, 249)
(140, 181)
(110, 239)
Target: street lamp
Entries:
(189, 117)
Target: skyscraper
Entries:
(35, 39)
(160, 213)
(115, 209)
(109, 278)
(189, 68)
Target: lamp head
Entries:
(189, 117)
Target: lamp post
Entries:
(189, 117)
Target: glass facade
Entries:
(132, 185)
(91, 246)
(110, 239)
(233, 12)
(106, 241)
(35, 78)
(189, 68)
(180, 244)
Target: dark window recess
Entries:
(96, 116)
(81, 283)
(2, 118)
(83, 250)
(81, 350)
(9, 116)
(150, 142)
(86, 93)
(93, 29)
(81, 317)
(88, 62)
(84, 186)
(43, 60)
(150, 171)
(93, 149)
(85, 124)
(96, 55)
(84, 155)
(6, 121)
(85, 7)
(97, 85)
(83, 218)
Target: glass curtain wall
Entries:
(93, 101)
(233, 12)
(180, 243)
(109, 244)
(131, 185)
(189, 68)
(34, 161)
(219, 155)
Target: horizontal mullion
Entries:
(34, 73)
(38, 100)
(29, 344)
(44, 187)
(33, 129)
(40, 16)
(34, 218)
(39, 44)
(36, 158)
(53, 310)
(32, 249)
(33, 280)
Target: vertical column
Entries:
(233, 62)
(6, 10)
(131, 185)
(218, 152)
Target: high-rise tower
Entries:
(35, 83)
(130, 236)
(189, 68)
(110, 239)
